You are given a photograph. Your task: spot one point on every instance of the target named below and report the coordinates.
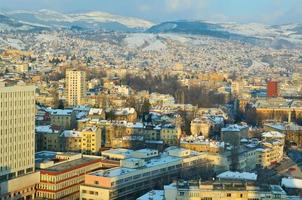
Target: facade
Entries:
(47, 138)
(75, 86)
(62, 173)
(195, 190)
(201, 127)
(143, 171)
(233, 133)
(63, 118)
(272, 89)
(70, 141)
(170, 135)
(91, 141)
(17, 142)
(292, 132)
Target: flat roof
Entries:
(73, 164)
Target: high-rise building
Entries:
(272, 89)
(17, 142)
(75, 86)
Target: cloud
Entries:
(184, 5)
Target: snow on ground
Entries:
(14, 43)
(46, 37)
(155, 46)
(138, 39)
(175, 37)
(149, 42)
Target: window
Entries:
(96, 182)
(229, 194)
(84, 191)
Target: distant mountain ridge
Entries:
(88, 20)
(283, 36)
(278, 36)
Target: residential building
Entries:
(75, 86)
(217, 190)
(91, 141)
(62, 174)
(17, 142)
(233, 133)
(144, 170)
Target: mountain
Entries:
(283, 36)
(89, 20)
(9, 24)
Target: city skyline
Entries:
(268, 12)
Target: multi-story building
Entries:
(272, 89)
(195, 190)
(17, 142)
(91, 141)
(75, 86)
(233, 133)
(65, 118)
(292, 132)
(62, 173)
(143, 171)
(47, 138)
(201, 126)
(170, 134)
(71, 141)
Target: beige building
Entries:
(201, 126)
(145, 169)
(91, 140)
(65, 118)
(17, 142)
(62, 174)
(75, 86)
(170, 135)
(222, 190)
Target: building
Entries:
(65, 118)
(170, 134)
(91, 140)
(62, 173)
(217, 190)
(292, 186)
(272, 89)
(17, 142)
(292, 132)
(233, 133)
(201, 126)
(201, 144)
(71, 141)
(141, 172)
(47, 138)
(75, 86)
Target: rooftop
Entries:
(234, 128)
(153, 195)
(238, 176)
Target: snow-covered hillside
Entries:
(49, 17)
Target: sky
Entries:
(243, 11)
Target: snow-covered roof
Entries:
(273, 134)
(291, 183)
(70, 133)
(233, 128)
(153, 195)
(45, 129)
(238, 175)
(95, 111)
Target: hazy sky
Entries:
(264, 11)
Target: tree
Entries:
(145, 109)
(61, 104)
